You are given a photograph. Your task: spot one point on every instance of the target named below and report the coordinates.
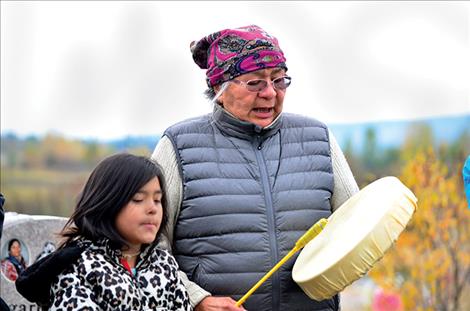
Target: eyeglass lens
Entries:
(258, 85)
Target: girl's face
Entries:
(15, 249)
(138, 222)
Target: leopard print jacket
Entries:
(98, 281)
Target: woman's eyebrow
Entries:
(262, 73)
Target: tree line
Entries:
(428, 270)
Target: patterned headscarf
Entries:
(229, 53)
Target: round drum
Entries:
(357, 235)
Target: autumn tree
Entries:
(62, 153)
(430, 264)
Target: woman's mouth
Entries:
(263, 112)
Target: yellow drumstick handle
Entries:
(301, 242)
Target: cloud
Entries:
(111, 69)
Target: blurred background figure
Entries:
(3, 305)
(466, 179)
(386, 301)
(14, 264)
(2, 214)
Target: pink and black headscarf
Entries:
(229, 53)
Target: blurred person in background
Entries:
(466, 179)
(3, 305)
(2, 213)
(247, 180)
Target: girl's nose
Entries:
(152, 207)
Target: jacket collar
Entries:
(106, 246)
(228, 123)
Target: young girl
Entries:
(118, 217)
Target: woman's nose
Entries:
(269, 91)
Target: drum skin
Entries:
(357, 235)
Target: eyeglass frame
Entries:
(246, 85)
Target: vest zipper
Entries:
(276, 291)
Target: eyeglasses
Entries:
(257, 85)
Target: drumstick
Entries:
(301, 242)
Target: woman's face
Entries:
(260, 108)
(138, 222)
(15, 249)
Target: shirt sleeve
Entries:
(164, 154)
(345, 185)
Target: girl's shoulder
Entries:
(93, 255)
(100, 251)
(159, 255)
(94, 266)
(161, 252)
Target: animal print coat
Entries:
(98, 281)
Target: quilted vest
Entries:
(248, 195)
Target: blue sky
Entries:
(108, 69)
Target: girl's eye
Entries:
(137, 200)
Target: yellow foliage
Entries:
(430, 265)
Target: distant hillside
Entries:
(135, 141)
(391, 134)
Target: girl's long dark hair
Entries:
(111, 185)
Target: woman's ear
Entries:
(220, 99)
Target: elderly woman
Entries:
(246, 181)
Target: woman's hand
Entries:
(212, 303)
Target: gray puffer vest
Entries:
(248, 195)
